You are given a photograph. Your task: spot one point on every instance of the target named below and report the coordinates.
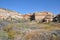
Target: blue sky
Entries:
(28, 6)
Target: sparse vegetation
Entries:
(31, 29)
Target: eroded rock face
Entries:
(5, 13)
(47, 16)
(56, 18)
(37, 16)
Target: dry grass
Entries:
(32, 31)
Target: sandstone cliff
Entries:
(5, 13)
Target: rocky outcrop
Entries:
(5, 13)
(56, 18)
(27, 16)
(39, 16)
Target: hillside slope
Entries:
(4, 13)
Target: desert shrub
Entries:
(3, 35)
(9, 31)
(37, 36)
(55, 35)
(23, 20)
